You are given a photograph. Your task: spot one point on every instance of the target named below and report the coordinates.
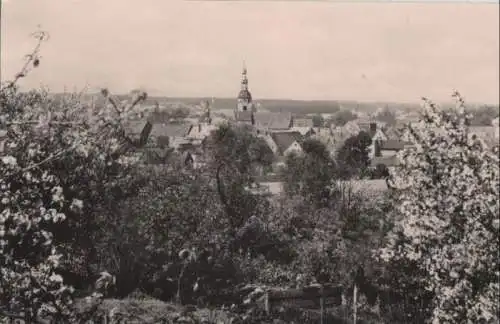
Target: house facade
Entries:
(294, 148)
(378, 137)
(386, 153)
(287, 143)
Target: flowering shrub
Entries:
(447, 226)
(60, 159)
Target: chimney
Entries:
(199, 128)
(378, 152)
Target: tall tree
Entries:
(447, 226)
(311, 173)
(234, 153)
(352, 157)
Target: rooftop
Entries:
(302, 122)
(285, 139)
(387, 161)
(272, 120)
(393, 145)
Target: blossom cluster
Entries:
(448, 209)
(45, 137)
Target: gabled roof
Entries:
(393, 145)
(303, 130)
(392, 133)
(285, 139)
(270, 120)
(200, 131)
(135, 127)
(302, 122)
(169, 130)
(269, 141)
(159, 129)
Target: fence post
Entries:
(322, 303)
(355, 303)
(266, 302)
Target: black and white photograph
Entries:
(249, 162)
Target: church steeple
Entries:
(244, 111)
(244, 97)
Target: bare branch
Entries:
(32, 59)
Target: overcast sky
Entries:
(295, 50)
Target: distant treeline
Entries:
(168, 115)
(300, 107)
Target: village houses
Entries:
(281, 131)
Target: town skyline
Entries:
(293, 51)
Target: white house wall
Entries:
(387, 153)
(295, 147)
(379, 135)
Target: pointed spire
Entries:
(244, 80)
(209, 117)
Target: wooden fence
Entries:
(313, 297)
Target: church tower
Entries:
(244, 109)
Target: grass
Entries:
(148, 310)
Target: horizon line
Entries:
(291, 99)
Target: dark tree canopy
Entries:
(234, 153)
(318, 121)
(310, 174)
(343, 117)
(352, 157)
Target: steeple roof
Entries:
(244, 94)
